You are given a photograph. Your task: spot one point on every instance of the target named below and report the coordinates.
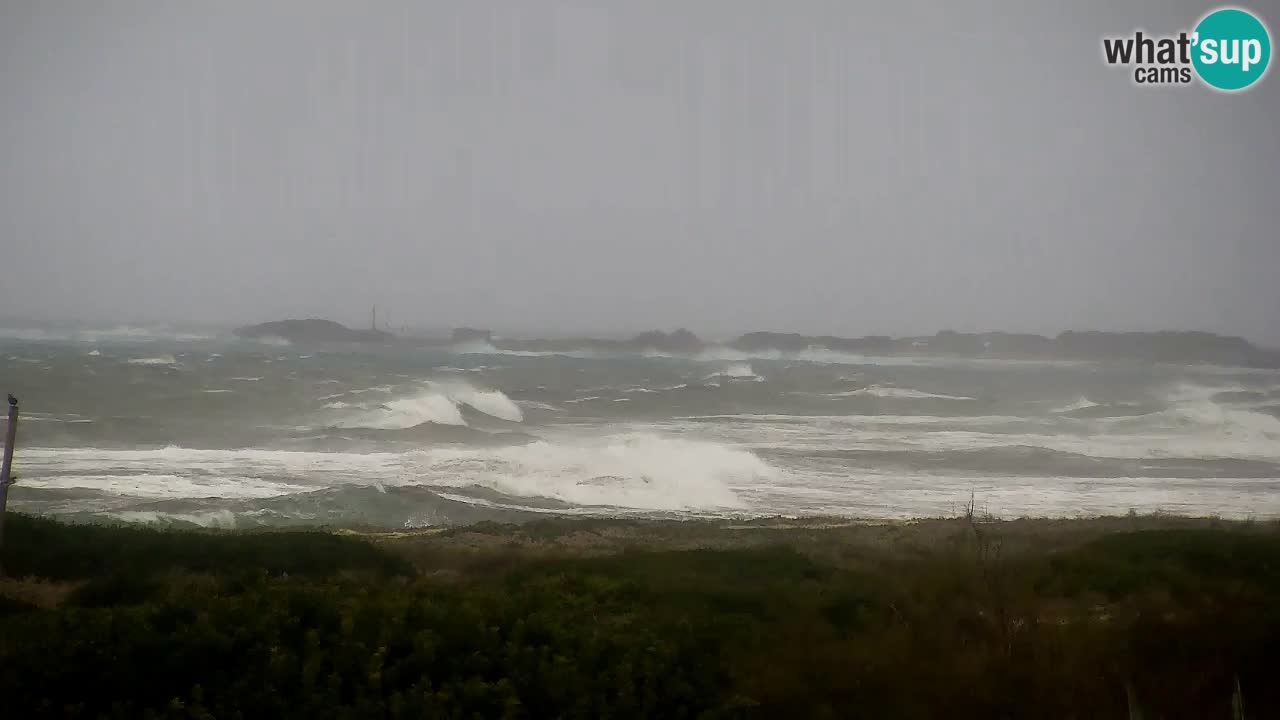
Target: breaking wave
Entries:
(221, 519)
(490, 402)
(441, 404)
(735, 371)
(635, 470)
(740, 370)
(641, 471)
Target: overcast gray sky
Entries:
(830, 166)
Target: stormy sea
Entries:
(214, 430)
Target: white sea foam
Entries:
(178, 472)
(735, 371)
(816, 355)
(474, 347)
(899, 393)
(479, 347)
(741, 371)
(1192, 393)
(1235, 423)
(168, 485)
(158, 360)
(1189, 429)
(1081, 403)
(843, 423)
(639, 470)
(62, 418)
(634, 470)
(214, 519)
(535, 405)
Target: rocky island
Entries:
(312, 331)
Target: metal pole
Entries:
(10, 438)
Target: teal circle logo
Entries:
(1231, 49)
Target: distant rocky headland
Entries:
(312, 331)
(1169, 346)
(1188, 347)
(1163, 346)
(678, 342)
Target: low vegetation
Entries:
(1125, 617)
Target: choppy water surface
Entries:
(222, 432)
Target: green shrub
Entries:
(1181, 624)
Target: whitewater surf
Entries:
(190, 429)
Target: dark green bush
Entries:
(194, 625)
(46, 548)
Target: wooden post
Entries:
(11, 437)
